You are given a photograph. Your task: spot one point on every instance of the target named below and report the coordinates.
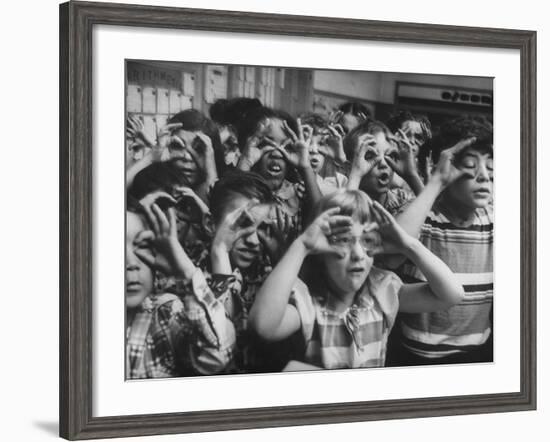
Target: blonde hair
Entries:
(354, 203)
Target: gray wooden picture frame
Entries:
(76, 242)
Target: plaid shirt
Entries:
(356, 337)
(183, 335)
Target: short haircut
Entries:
(452, 131)
(194, 121)
(251, 120)
(316, 121)
(238, 183)
(353, 203)
(372, 127)
(396, 121)
(355, 108)
(162, 175)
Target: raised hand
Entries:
(169, 256)
(252, 153)
(405, 166)
(274, 234)
(136, 130)
(316, 237)
(337, 144)
(296, 150)
(394, 238)
(165, 137)
(237, 224)
(364, 158)
(445, 171)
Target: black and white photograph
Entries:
(283, 219)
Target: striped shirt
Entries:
(356, 337)
(468, 251)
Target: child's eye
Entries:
(393, 156)
(489, 164)
(469, 163)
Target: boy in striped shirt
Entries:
(453, 218)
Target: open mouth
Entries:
(383, 179)
(314, 161)
(356, 271)
(275, 167)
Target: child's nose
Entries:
(483, 173)
(252, 239)
(357, 252)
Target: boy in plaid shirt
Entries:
(167, 334)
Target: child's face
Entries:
(474, 190)
(246, 249)
(272, 165)
(348, 273)
(415, 134)
(349, 122)
(231, 152)
(139, 276)
(377, 181)
(184, 161)
(316, 158)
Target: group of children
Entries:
(260, 242)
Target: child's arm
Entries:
(271, 316)
(442, 289)
(412, 218)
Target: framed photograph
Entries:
(271, 220)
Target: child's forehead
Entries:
(358, 228)
(476, 152)
(134, 224)
(187, 135)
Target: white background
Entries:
(29, 188)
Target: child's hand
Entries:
(204, 157)
(296, 150)
(164, 138)
(169, 257)
(362, 164)
(394, 238)
(316, 237)
(136, 130)
(337, 144)
(237, 224)
(274, 234)
(445, 171)
(181, 191)
(252, 153)
(405, 166)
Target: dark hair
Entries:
(316, 121)
(247, 184)
(194, 121)
(452, 131)
(163, 175)
(354, 108)
(371, 127)
(231, 112)
(396, 121)
(251, 119)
